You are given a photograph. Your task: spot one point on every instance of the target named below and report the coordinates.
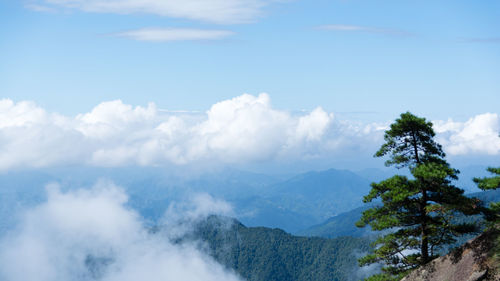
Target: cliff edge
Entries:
(476, 260)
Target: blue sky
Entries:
(82, 73)
(437, 58)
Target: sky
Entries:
(143, 82)
(366, 59)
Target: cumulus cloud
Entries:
(173, 34)
(89, 234)
(246, 127)
(22, 113)
(111, 118)
(30, 135)
(242, 130)
(217, 11)
(313, 126)
(479, 135)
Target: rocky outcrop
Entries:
(476, 260)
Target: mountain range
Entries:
(293, 203)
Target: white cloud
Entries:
(368, 29)
(181, 217)
(478, 135)
(115, 112)
(173, 34)
(20, 114)
(29, 136)
(242, 130)
(343, 27)
(313, 126)
(198, 207)
(91, 235)
(110, 118)
(39, 8)
(217, 11)
(244, 127)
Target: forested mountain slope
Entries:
(340, 225)
(259, 253)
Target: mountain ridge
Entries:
(261, 253)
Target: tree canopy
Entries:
(488, 183)
(416, 212)
(410, 141)
(492, 214)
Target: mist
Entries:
(91, 234)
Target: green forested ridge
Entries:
(260, 253)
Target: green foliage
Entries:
(410, 141)
(385, 277)
(418, 213)
(259, 253)
(344, 224)
(492, 214)
(488, 183)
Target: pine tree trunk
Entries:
(424, 247)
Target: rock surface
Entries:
(474, 261)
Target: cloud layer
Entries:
(89, 234)
(245, 129)
(216, 11)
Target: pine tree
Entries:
(417, 212)
(492, 214)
